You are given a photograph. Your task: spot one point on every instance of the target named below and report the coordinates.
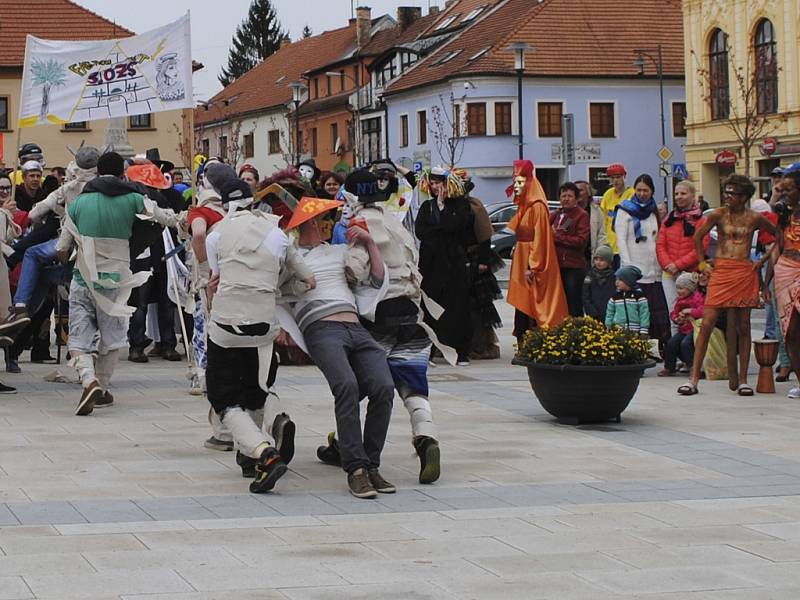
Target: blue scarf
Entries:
(638, 212)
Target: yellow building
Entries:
(732, 47)
(65, 20)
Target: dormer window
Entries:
(447, 22)
(447, 57)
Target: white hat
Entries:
(32, 165)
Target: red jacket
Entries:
(674, 246)
(693, 301)
(571, 235)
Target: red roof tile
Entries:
(267, 84)
(575, 38)
(49, 19)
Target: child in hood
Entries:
(688, 307)
(628, 307)
(599, 284)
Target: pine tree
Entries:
(307, 33)
(256, 38)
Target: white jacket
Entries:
(58, 200)
(643, 254)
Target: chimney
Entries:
(406, 15)
(433, 10)
(285, 41)
(363, 25)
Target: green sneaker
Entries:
(330, 454)
(429, 456)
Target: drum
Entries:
(766, 352)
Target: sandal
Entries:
(744, 390)
(783, 374)
(688, 389)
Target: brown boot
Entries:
(16, 320)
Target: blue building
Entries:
(458, 102)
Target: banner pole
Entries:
(16, 162)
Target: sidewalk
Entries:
(688, 498)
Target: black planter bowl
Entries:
(577, 394)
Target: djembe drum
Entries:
(766, 352)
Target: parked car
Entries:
(500, 214)
(503, 242)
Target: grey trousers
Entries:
(354, 366)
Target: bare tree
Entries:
(744, 116)
(449, 128)
(285, 139)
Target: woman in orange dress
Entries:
(534, 286)
(787, 268)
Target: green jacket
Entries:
(629, 310)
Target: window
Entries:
(480, 53)
(249, 146)
(205, 147)
(387, 73)
(274, 139)
(341, 80)
(766, 55)
(403, 131)
(329, 85)
(76, 126)
(447, 22)
(458, 130)
(598, 179)
(334, 136)
(718, 75)
(549, 114)
(446, 58)
(679, 119)
(3, 113)
(601, 119)
(316, 87)
(502, 118)
(141, 122)
(223, 147)
(476, 118)
(422, 127)
(313, 141)
(472, 15)
(406, 60)
(371, 138)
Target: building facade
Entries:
(758, 39)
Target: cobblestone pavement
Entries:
(688, 498)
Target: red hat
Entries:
(248, 167)
(616, 170)
(308, 208)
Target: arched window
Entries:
(718, 75)
(766, 57)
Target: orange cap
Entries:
(308, 208)
(148, 174)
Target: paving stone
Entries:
(110, 511)
(172, 509)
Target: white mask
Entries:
(306, 172)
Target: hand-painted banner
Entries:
(73, 81)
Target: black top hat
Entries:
(155, 157)
(364, 184)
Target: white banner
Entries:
(67, 82)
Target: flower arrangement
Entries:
(583, 341)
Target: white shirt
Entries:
(276, 242)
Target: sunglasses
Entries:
(5, 188)
(732, 193)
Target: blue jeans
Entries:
(36, 257)
(680, 345)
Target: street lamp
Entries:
(297, 88)
(519, 49)
(356, 112)
(656, 55)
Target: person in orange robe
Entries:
(534, 286)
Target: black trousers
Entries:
(232, 377)
(572, 280)
(154, 290)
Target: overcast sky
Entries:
(214, 23)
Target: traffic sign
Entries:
(769, 146)
(679, 171)
(664, 154)
(418, 167)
